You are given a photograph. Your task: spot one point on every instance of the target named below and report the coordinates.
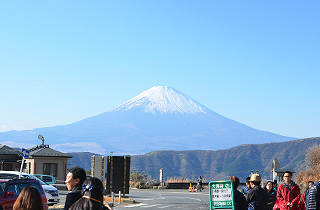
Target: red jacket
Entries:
(285, 196)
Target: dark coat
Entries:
(272, 199)
(313, 197)
(254, 195)
(239, 200)
(73, 196)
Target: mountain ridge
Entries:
(221, 164)
(166, 122)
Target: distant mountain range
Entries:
(160, 118)
(217, 165)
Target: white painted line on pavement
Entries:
(135, 205)
(162, 207)
(151, 205)
(195, 199)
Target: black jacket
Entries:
(239, 200)
(73, 196)
(254, 195)
(272, 199)
(313, 197)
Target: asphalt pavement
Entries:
(157, 199)
(166, 199)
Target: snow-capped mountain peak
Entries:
(163, 99)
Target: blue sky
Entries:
(256, 62)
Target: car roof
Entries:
(15, 179)
(13, 172)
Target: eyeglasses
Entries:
(286, 176)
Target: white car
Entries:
(52, 194)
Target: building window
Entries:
(50, 169)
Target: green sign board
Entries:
(221, 195)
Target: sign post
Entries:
(25, 154)
(221, 195)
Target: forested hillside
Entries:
(220, 164)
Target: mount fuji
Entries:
(160, 118)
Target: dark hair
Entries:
(265, 187)
(309, 183)
(78, 172)
(247, 180)
(256, 183)
(289, 172)
(28, 199)
(92, 190)
(236, 181)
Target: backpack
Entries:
(254, 204)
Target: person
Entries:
(248, 188)
(74, 180)
(28, 199)
(313, 197)
(275, 184)
(200, 182)
(238, 197)
(257, 196)
(272, 195)
(288, 193)
(277, 204)
(92, 190)
(302, 204)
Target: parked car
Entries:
(46, 178)
(11, 188)
(52, 194)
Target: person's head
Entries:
(236, 181)
(92, 190)
(309, 184)
(75, 176)
(248, 182)
(287, 176)
(275, 183)
(269, 186)
(255, 180)
(28, 199)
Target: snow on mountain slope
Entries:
(163, 99)
(160, 118)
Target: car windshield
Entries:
(36, 178)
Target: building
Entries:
(9, 159)
(45, 160)
(277, 172)
(42, 160)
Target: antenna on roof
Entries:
(41, 138)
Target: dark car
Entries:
(11, 188)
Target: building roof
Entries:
(282, 170)
(5, 150)
(46, 151)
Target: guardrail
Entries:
(182, 185)
(60, 185)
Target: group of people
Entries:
(85, 194)
(285, 197)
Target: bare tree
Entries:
(312, 161)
